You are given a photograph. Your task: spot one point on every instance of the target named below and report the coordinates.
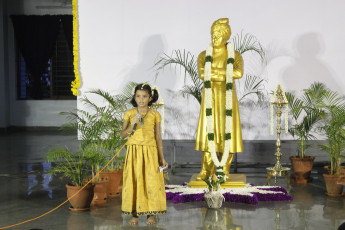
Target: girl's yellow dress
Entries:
(143, 189)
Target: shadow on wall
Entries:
(307, 65)
(255, 122)
(180, 121)
(181, 117)
(150, 49)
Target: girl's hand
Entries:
(163, 163)
(136, 120)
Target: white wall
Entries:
(120, 39)
(30, 112)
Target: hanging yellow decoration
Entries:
(76, 83)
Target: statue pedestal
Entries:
(237, 181)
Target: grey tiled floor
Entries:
(27, 191)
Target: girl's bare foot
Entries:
(133, 221)
(150, 220)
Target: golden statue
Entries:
(220, 34)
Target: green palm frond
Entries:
(295, 104)
(248, 42)
(190, 90)
(58, 154)
(186, 61)
(331, 99)
(85, 100)
(325, 147)
(70, 116)
(317, 88)
(301, 131)
(72, 165)
(127, 92)
(183, 59)
(253, 86)
(308, 124)
(114, 106)
(324, 97)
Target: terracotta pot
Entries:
(328, 169)
(114, 183)
(81, 201)
(301, 168)
(334, 185)
(100, 195)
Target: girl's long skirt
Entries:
(143, 189)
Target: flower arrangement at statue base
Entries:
(214, 198)
(249, 194)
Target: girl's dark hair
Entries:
(153, 93)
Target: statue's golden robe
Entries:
(218, 111)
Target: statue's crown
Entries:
(221, 21)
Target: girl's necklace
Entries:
(142, 117)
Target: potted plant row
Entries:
(99, 132)
(321, 110)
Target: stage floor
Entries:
(27, 191)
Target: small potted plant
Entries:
(213, 196)
(74, 166)
(304, 120)
(114, 173)
(97, 161)
(114, 170)
(331, 109)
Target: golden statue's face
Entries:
(218, 38)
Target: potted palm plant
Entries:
(98, 129)
(110, 115)
(89, 128)
(331, 109)
(74, 166)
(304, 120)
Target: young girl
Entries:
(143, 191)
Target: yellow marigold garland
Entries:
(76, 83)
